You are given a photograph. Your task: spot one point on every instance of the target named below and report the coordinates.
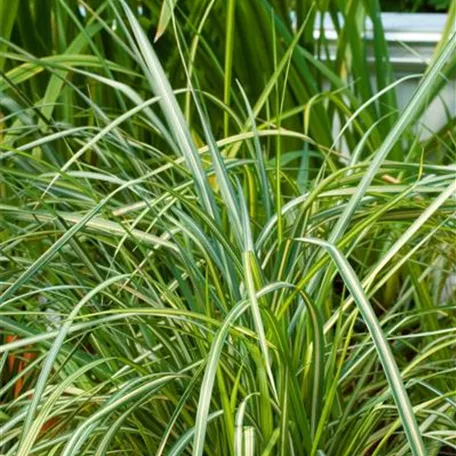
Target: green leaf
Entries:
(166, 13)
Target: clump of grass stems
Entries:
(191, 263)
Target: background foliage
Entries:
(415, 5)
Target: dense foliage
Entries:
(415, 5)
(218, 236)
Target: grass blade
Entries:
(383, 349)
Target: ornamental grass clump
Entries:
(194, 260)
